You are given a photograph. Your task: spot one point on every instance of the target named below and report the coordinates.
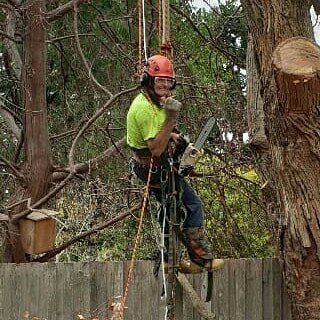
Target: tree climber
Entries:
(151, 122)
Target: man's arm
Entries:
(158, 144)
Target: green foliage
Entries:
(235, 219)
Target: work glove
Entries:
(172, 108)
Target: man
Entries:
(151, 122)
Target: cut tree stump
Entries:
(297, 65)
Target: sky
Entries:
(316, 24)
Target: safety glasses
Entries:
(170, 82)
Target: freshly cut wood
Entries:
(297, 56)
(297, 64)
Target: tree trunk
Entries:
(259, 142)
(37, 167)
(288, 72)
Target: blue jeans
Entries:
(193, 205)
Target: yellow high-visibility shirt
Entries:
(144, 121)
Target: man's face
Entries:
(162, 86)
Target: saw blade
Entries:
(205, 133)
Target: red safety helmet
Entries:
(159, 66)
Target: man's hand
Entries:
(175, 137)
(172, 108)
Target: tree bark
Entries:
(288, 73)
(37, 167)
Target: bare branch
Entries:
(8, 36)
(15, 171)
(9, 118)
(10, 4)
(45, 199)
(85, 234)
(92, 163)
(71, 36)
(14, 3)
(114, 144)
(91, 121)
(194, 298)
(62, 10)
(64, 134)
(117, 18)
(19, 147)
(210, 42)
(83, 58)
(18, 203)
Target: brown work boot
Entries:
(214, 264)
(199, 251)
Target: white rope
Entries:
(162, 248)
(144, 32)
(163, 262)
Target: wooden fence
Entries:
(245, 289)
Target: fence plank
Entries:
(161, 298)
(67, 305)
(81, 283)
(8, 299)
(149, 292)
(253, 293)
(267, 289)
(2, 290)
(232, 288)
(136, 292)
(277, 280)
(215, 295)
(240, 289)
(24, 306)
(118, 281)
(286, 305)
(40, 277)
(223, 293)
(94, 289)
(156, 287)
(50, 283)
(15, 296)
(179, 302)
(30, 290)
(99, 290)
